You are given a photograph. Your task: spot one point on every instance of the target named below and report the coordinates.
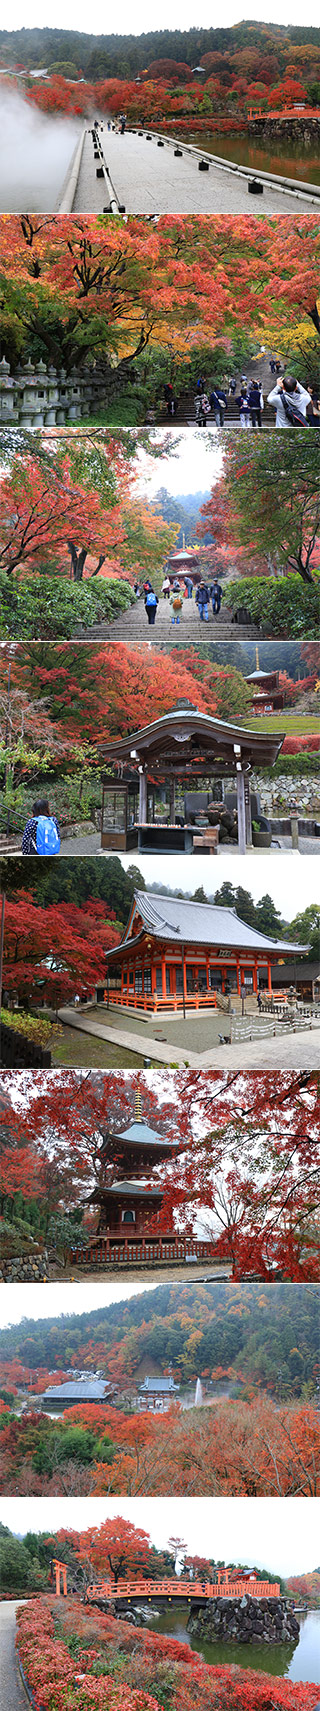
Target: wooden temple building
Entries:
(176, 954)
(267, 697)
(128, 1195)
(151, 796)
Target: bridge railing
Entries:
(127, 1589)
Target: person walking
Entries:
(166, 586)
(151, 603)
(218, 404)
(232, 386)
(254, 402)
(202, 409)
(176, 603)
(290, 401)
(41, 834)
(243, 406)
(216, 596)
(202, 601)
(188, 583)
(170, 398)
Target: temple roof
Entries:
(141, 1135)
(185, 734)
(81, 1390)
(161, 1384)
(181, 921)
(128, 1186)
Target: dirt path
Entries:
(12, 1693)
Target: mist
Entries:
(35, 151)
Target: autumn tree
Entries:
(51, 954)
(270, 506)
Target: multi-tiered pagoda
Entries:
(130, 1201)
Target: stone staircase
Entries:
(132, 627)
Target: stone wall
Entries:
(302, 130)
(37, 396)
(248, 1621)
(276, 794)
(25, 1268)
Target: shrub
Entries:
(288, 607)
(46, 607)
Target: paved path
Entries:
(91, 845)
(297, 1051)
(151, 180)
(132, 626)
(12, 1694)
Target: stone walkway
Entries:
(12, 1694)
(91, 845)
(195, 1043)
(151, 180)
(132, 626)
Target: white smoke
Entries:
(35, 151)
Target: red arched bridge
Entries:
(127, 1592)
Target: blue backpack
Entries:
(47, 839)
(151, 599)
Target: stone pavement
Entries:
(12, 1694)
(91, 845)
(297, 1050)
(132, 626)
(151, 180)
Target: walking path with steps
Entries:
(287, 1050)
(132, 627)
(12, 1692)
(145, 176)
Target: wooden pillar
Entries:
(184, 980)
(269, 977)
(255, 977)
(241, 812)
(238, 978)
(248, 814)
(122, 983)
(172, 800)
(163, 969)
(208, 973)
(143, 794)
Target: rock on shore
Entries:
(246, 1621)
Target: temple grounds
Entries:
(195, 1040)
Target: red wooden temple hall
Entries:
(169, 759)
(128, 1196)
(176, 953)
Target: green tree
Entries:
(305, 929)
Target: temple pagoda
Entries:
(128, 1198)
(266, 696)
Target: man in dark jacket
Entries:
(218, 404)
(254, 402)
(216, 595)
(202, 601)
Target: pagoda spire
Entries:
(257, 659)
(137, 1107)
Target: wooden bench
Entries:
(208, 841)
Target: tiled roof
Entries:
(183, 921)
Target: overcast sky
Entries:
(55, 1298)
(183, 15)
(291, 879)
(194, 465)
(244, 1529)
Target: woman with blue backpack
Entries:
(151, 603)
(41, 834)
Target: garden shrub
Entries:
(288, 607)
(43, 606)
(59, 1683)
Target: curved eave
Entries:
(178, 728)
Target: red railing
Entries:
(142, 1251)
(133, 1589)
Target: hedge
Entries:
(51, 606)
(288, 607)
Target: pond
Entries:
(300, 1662)
(285, 158)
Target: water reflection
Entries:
(300, 1662)
(288, 160)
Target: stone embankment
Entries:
(25, 1268)
(303, 130)
(248, 1621)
